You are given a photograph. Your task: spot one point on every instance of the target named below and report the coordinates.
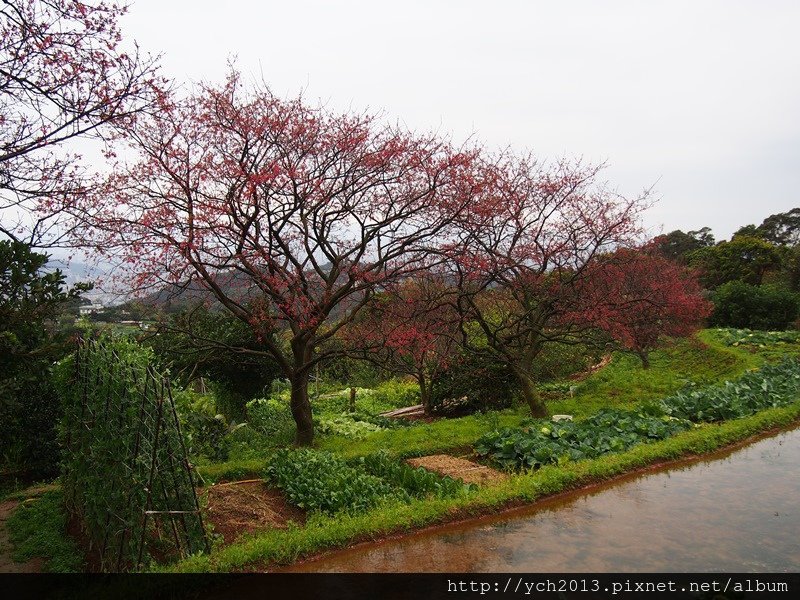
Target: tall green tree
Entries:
(677, 245)
(31, 300)
(781, 229)
(744, 258)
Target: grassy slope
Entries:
(623, 383)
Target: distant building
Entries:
(90, 309)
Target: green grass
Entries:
(621, 384)
(424, 438)
(234, 470)
(322, 532)
(38, 528)
(624, 383)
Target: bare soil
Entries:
(458, 468)
(246, 506)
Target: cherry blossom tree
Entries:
(410, 329)
(63, 76)
(637, 297)
(528, 241)
(291, 217)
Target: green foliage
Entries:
(418, 482)
(676, 245)
(750, 337)
(29, 427)
(32, 299)
(544, 442)
(123, 452)
(204, 429)
(744, 258)
(558, 361)
(346, 371)
(245, 443)
(473, 382)
(203, 342)
(321, 481)
(345, 425)
(271, 417)
(772, 386)
(38, 528)
(394, 393)
(387, 396)
(782, 229)
(737, 304)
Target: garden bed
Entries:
(458, 468)
(248, 506)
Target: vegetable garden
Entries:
(130, 484)
(126, 476)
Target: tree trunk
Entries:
(645, 357)
(352, 399)
(529, 393)
(301, 410)
(424, 395)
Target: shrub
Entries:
(29, 417)
(272, 418)
(245, 443)
(558, 361)
(394, 393)
(203, 428)
(738, 304)
(35, 324)
(472, 383)
(345, 425)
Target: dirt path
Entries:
(8, 564)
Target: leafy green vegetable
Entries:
(346, 425)
(418, 482)
(772, 386)
(543, 442)
(321, 481)
(750, 337)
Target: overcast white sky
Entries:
(700, 99)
